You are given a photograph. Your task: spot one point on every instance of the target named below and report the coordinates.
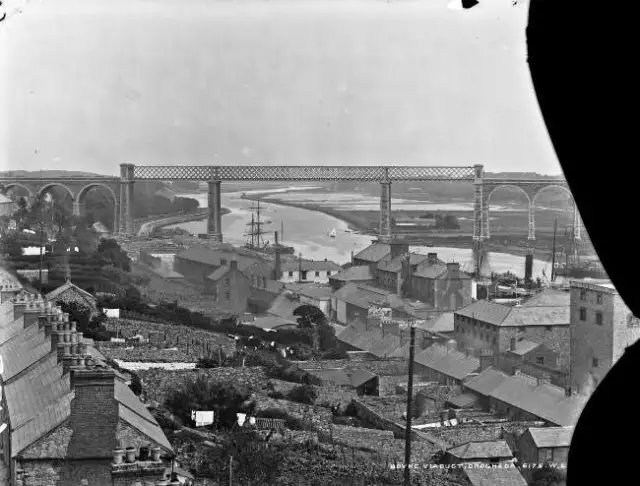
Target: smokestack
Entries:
(528, 267)
(277, 270)
(94, 397)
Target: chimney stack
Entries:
(277, 269)
(432, 258)
(452, 345)
(398, 249)
(94, 413)
(35, 307)
(8, 291)
(223, 262)
(487, 360)
(543, 380)
(233, 264)
(512, 346)
(453, 267)
(469, 352)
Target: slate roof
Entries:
(463, 400)
(309, 265)
(355, 273)
(5, 200)
(218, 273)
(214, 257)
(313, 290)
(283, 307)
(545, 437)
(430, 271)
(395, 264)
(508, 316)
(39, 395)
(344, 377)
(448, 362)
(442, 323)
(271, 322)
(496, 476)
(374, 253)
(69, 286)
(523, 347)
(546, 401)
(549, 298)
(167, 273)
(369, 338)
(482, 450)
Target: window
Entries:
(599, 318)
(494, 341)
(540, 360)
(583, 295)
(548, 328)
(317, 273)
(547, 455)
(227, 294)
(583, 314)
(594, 362)
(290, 274)
(264, 282)
(304, 275)
(599, 298)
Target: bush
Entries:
(303, 394)
(136, 385)
(225, 399)
(276, 395)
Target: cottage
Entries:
(446, 365)
(68, 293)
(303, 271)
(493, 452)
(356, 274)
(540, 445)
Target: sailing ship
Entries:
(333, 233)
(255, 236)
(569, 262)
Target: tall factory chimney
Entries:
(277, 269)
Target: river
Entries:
(308, 231)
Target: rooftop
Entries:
(546, 401)
(495, 476)
(448, 362)
(355, 273)
(551, 436)
(291, 264)
(389, 264)
(482, 450)
(313, 290)
(374, 253)
(508, 316)
(211, 257)
(523, 347)
(369, 337)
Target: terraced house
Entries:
(67, 418)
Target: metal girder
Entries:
(303, 173)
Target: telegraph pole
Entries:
(407, 446)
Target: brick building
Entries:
(543, 320)
(602, 326)
(66, 411)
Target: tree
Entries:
(306, 394)
(136, 385)
(311, 319)
(111, 252)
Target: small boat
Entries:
(333, 233)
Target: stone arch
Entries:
(10, 185)
(83, 192)
(49, 185)
(557, 186)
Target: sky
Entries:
(90, 84)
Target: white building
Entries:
(307, 271)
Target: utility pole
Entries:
(300, 268)
(407, 447)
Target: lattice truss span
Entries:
(303, 173)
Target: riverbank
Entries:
(149, 225)
(507, 237)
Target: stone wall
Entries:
(371, 416)
(381, 367)
(62, 473)
(360, 437)
(313, 418)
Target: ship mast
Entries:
(553, 253)
(256, 232)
